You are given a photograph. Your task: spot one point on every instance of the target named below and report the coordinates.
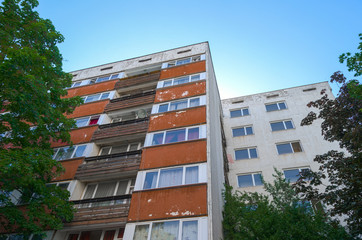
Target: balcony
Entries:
(125, 130)
(139, 79)
(109, 166)
(131, 101)
(105, 210)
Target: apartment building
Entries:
(147, 160)
(263, 132)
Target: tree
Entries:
(279, 215)
(342, 168)
(32, 86)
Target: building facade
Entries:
(263, 132)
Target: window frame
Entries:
(249, 154)
(300, 170)
(161, 84)
(284, 125)
(89, 118)
(128, 148)
(277, 103)
(156, 108)
(291, 146)
(241, 112)
(174, 63)
(252, 178)
(96, 80)
(244, 129)
(115, 237)
(110, 95)
(74, 151)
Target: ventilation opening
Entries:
(309, 89)
(106, 68)
(239, 101)
(184, 51)
(272, 96)
(145, 60)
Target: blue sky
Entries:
(256, 46)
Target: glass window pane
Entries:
(271, 107)
(183, 61)
(170, 177)
(175, 136)
(122, 187)
(80, 151)
(238, 132)
(249, 130)
(157, 138)
(296, 147)
(89, 192)
(253, 153)
(104, 95)
(105, 151)
(195, 78)
(63, 185)
(195, 102)
(181, 80)
(245, 112)
(114, 76)
(277, 126)
(193, 133)
(102, 79)
(60, 154)
(292, 175)
(119, 149)
(150, 180)
(284, 148)
(163, 108)
(93, 235)
(282, 106)
(167, 83)
(165, 230)
(189, 230)
(133, 147)
(76, 84)
(241, 154)
(72, 236)
(178, 105)
(192, 175)
(68, 152)
(92, 98)
(109, 235)
(257, 180)
(289, 124)
(105, 189)
(81, 122)
(245, 181)
(141, 232)
(235, 113)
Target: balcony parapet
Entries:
(139, 79)
(131, 101)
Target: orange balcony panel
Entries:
(181, 70)
(181, 118)
(70, 167)
(92, 89)
(181, 91)
(89, 109)
(185, 201)
(174, 154)
(77, 136)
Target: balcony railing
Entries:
(131, 101)
(123, 123)
(140, 79)
(102, 201)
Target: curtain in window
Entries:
(195, 102)
(119, 149)
(109, 235)
(170, 177)
(73, 236)
(93, 235)
(192, 175)
(141, 232)
(105, 189)
(94, 120)
(165, 230)
(181, 80)
(175, 136)
(193, 133)
(178, 105)
(189, 230)
(150, 180)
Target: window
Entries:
(62, 185)
(250, 180)
(120, 148)
(282, 125)
(239, 112)
(69, 152)
(169, 177)
(275, 106)
(291, 147)
(109, 234)
(180, 104)
(245, 153)
(96, 97)
(87, 121)
(175, 229)
(293, 175)
(242, 131)
(96, 80)
(183, 61)
(181, 80)
(76, 84)
(107, 189)
(177, 135)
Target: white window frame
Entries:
(241, 112)
(299, 170)
(249, 155)
(202, 227)
(192, 59)
(128, 148)
(102, 235)
(56, 150)
(156, 107)
(252, 178)
(96, 79)
(101, 116)
(291, 146)
(141, 176)
(149, 136)
(244, 129)
(161, 84)
(110, 96)
(277, 103)
(285, 126)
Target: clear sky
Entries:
(256, 45)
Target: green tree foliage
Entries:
(279, 215)
(343, 169)
(32, 84)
